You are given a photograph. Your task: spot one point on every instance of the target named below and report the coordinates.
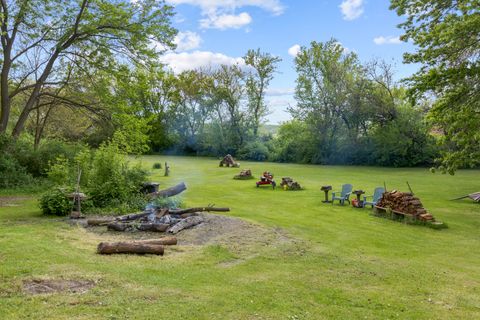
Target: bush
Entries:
(256, 151)
(157, 165)
(55, 202)
(12, 173)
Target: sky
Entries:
(214, 32)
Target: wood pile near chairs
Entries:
(405, 203)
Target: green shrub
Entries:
(112, 182)
(157, 165)
(255, 150)
(60, 172)
(55, 202)
(12, 173)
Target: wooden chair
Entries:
(344, 194)
(377, 194)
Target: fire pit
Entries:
(326, 189)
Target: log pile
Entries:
(228, 161)
(405, 203)
(288, 184)
(245, 174)
(156, 220)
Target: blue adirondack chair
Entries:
(344, 194)
(377, 194)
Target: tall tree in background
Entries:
(263, 66)
(228, 99)
(88, 33)
(192, 108)
(326, 75)
(447, 35)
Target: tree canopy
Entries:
(447, 36)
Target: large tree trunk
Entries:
(22, 119)
(179, 188)
(4, 92)
(129, 247)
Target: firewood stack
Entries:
(288, 184)
(406, 203)
(228, 161)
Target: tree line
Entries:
(88, 71)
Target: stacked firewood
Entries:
(228, 161)
(288, 184)
(406, 203)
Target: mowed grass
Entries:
(344, 262)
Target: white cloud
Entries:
(387, 40)
(213, 6)
(187, 40)
(294, 50)
(220, 14)
(278, 92)
(179, 62)
(351, 9)
(226, 21)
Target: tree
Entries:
(263, 67)
(193, 106)
(446, 34)
(228, 102)
(326, 75)
(91, 34)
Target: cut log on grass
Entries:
(179, 188)
(129, 247)
(99, 221)
(199, 209)
(185, 224)
(153, 227)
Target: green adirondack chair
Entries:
(377, 194)
(344, 194)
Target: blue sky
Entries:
(213, 32)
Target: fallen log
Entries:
(99, 221)
(186, 215)
(129, 247)
(179, 188)
(118, 226)
(153, 227)
(185, 224)
(199, 209)
(133, 216)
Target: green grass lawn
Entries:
(344, 262)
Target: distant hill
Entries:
(269, 129)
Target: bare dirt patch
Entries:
(12, 201)
(245, 240)
(42, 286)
(215, 229)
